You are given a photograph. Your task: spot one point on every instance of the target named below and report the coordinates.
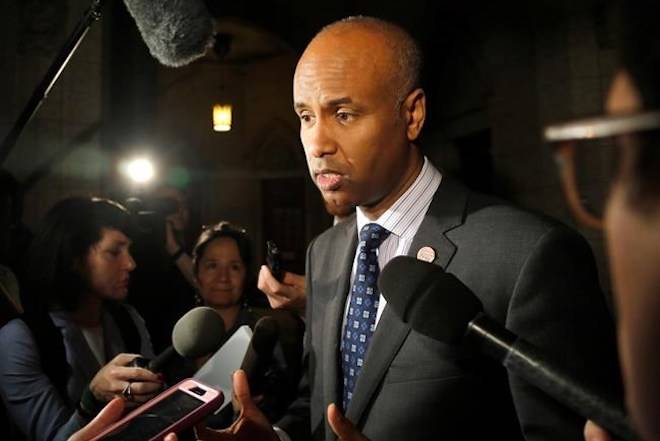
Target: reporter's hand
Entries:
(593, 432)
(113, 378)
(110, 414)
(251, 425)
(171, 244)
(288, 294)
(343, 428)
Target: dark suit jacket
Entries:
(532, 274)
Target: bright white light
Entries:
(140, 170)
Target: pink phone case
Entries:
(210, 401)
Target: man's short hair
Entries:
(405, 49)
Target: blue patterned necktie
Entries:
(361, 317)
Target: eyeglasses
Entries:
(586, 151)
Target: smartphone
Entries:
(178, 408)
(274, 260)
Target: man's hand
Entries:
(344, 429)
(593, 432)
(251, 424)
(110, 414)
(114, 377)
(288, 294)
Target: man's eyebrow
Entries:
(338, 101)
(330, 103)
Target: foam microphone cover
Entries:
(259, 354)
(432, 301)
(199, 332)
(176, 32)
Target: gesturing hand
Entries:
(113, 378)
(343, 428)
(251, 424)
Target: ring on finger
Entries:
(127, 393)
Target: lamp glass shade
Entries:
(222, 117)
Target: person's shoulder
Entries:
(15, 326)
(16, 334)
(504, 215)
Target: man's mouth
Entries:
(328, 180)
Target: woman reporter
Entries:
(71, 351)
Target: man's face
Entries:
(354, 130)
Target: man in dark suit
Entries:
(356, 91)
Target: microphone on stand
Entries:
(176, 32)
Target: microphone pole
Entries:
(40, 94)
(531, 364)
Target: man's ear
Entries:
(414, 107)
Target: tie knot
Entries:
(373, 235)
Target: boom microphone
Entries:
(176, 32)
(198, 332)
(260, 353)
(440, 306)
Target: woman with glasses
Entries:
(222, 263)
(70, 352)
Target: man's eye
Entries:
(305, 117)
(344, 116)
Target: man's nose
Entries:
(319, 140)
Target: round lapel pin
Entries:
(426, 254)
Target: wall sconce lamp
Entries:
(222, 117)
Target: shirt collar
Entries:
(419, 194)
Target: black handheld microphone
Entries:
(198, 332)
(176, 32)
(260, 353)
(440, 306)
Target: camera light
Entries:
(140, 170)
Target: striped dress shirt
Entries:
(402, 219)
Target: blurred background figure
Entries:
(631, 218)
(223, 270)
(164, 287)
(68, 354)
(15, 237)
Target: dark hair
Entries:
(223, 229)
(61, 244)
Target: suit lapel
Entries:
(340, 270)
(445, 213)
